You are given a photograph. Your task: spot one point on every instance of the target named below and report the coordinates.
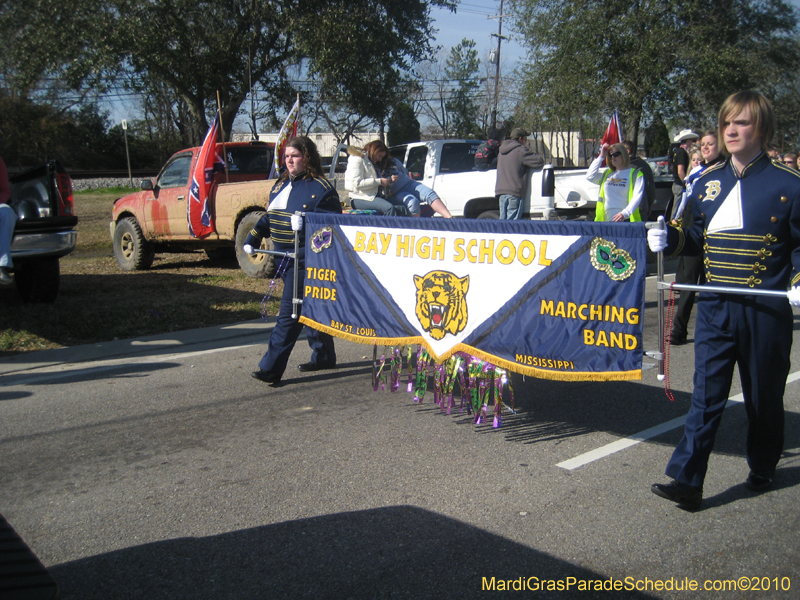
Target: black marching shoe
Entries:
(676, 339)
(310, 367)
(680, 493)
(265, 376)
(759, 482)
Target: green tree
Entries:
(682, 58)
(198, 48)
(656, 138)
(462, 68)
(403, 125)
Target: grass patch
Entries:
(100, 302)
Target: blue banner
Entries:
(553, 299)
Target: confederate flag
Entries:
(613, 134)
(208, 163)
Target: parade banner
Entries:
(553, 299)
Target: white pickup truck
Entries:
(446, 166)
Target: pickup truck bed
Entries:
(45, 229)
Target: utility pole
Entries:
(495, 59)
(127, 154)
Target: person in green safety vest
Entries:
(621, 186)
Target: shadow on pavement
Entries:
(393, 552)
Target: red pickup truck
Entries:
(154, 219)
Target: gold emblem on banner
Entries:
(442, 303)
(614, 262)
(321, 239)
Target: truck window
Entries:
(399, 152)
(176, 173)
(458, 157)
(252, 160)
(416, 162)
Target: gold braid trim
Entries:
(497, 361)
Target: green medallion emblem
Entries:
(616, 263)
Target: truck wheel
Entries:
(490, 214)
(131, 250)
(259, 265)
(38, 280)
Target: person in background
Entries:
(368, 190)
(695, 159)
(513, 162)
(746, 223)
(302, 187)
(680, 166)
(772, 152)
(8, 219)
(621, 186)
(790, 160)
(640, 164)
(418, 198)
(487, 153)
(690, 268)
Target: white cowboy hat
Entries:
(685, 134)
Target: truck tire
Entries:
(490, 214)
(38, 280)
(259, 265)
(132, 251)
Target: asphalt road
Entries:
(158, 468)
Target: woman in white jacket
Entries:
(621, 186)
(367, 189)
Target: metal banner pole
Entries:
(296, 299)
(660, 286)
(721, 290)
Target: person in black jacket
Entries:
(301, 188)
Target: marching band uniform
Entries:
(747, 227)
(304, 194)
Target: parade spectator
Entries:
(419, 199)
(680, 165)
(640, 164)
(772, 152)
(487, 152)
(790, 160)
(513, 162)
(301, 188)
(690, 268)
(738, 206)
(368, 190)
(8, 219)
(621, 186)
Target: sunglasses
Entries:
(615, 154)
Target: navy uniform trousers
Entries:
(754, 332)
(287, 330)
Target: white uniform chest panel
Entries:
(729, 214)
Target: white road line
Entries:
(642, 436)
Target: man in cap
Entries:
(680, 165)
(513, 162)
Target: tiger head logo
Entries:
(441, 303)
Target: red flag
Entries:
(613, 134)
(288, 131)
(208, 162)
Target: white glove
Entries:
(248, 249)
(297, 223)
(657, 238)
(794, 296)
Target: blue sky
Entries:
(471, 21)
